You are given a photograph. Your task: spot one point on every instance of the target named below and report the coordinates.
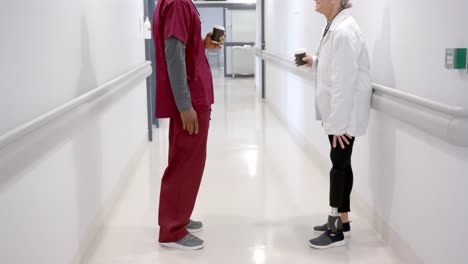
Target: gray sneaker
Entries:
(189, 242)
(323, 228)
(326, 240)
(194, 226)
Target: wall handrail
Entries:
(140, 72)
(455, 111)
(447, 122)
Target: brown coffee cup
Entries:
(300, 55)
(218, 33)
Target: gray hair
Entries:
(345, 4)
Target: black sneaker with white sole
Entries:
(328, 240)
(324, 228)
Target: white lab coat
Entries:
(344, 86)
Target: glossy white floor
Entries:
(259, 200)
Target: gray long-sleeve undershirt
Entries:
(176, 68)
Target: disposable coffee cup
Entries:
(218, 33)
(300, 55)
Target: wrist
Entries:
(184, 108)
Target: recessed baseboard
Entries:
(389, 235)
(394, 241)
(95, 231)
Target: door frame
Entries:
(263, 44)
(149, 6)
(149, 80)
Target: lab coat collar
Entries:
(338, 19)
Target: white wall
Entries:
(54, 184)
(414, 181)
(242, 26)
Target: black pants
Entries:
(341, 175)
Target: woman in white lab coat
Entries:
(343, 101)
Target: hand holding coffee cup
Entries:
(309, 60)
(218, 33)
(215, 39)
(300, 55)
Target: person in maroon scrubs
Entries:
(184, 93)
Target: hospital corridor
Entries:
(260, 193)
(233, 132)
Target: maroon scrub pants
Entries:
(182, 178)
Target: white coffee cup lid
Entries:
(219, 27)
(301, 50)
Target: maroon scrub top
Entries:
(180, 19)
